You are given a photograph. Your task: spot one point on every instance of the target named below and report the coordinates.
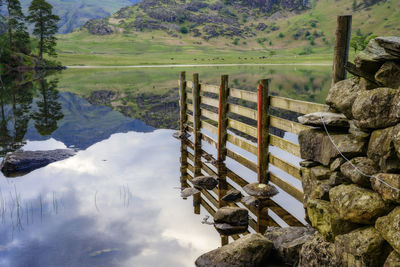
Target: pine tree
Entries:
(18, 36)
(45, 26)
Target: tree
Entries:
(18, 36)
(45, 26)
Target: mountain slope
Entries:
(75, 13)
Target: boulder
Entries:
(388, 75)
(381, 149)
(190, 191)
(232, 216)
(23, 162)
(391, 44)
(232, 195)
(251, 201)
(308, 163)
(317, 146)
(249, 251)
(326, 220)
(205, 182)
(342, 95)
(362, 247)
(389, 228)
(335, 165)
(357, 204)
(358, 132)
(393, 260)
(359, 169)
(227, 229)
(385, 184)
(330, 119)
(372, 57)
(320, 173)
(288, 242)
(377, 108)
(318, 252)
(260, 190)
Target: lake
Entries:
(117, 201)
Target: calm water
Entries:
(113, 204)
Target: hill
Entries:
(74, 13)
(216, 31)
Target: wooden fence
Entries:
(212, 114)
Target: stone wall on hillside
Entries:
(351, 172)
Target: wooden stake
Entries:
(341, 50)
(262, 130)
(183, 101)
(196, 125)
(196, 203)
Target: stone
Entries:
(205, 182)
(395, 138)
(335, 165)
(342, 95)
(232, 195)
(320, 173)
(388, 75)
(22, 162)
(330, 119)
(381, 149)
(393, 260)
(372, 57)
(389, 228)
(326, 220)
(377, 108)
(260, 190)
(380, 185)
(288, 242)
(318, 252)
(362, 247)
(308, 163)
(228, 229)
(358, 132)
(359, 169)
(317, 146)
(190, 191)
(181, 135)
(249, 251)
(232, 215)
(251, 201)
(337, 178)
(391, 44)
(356, 204)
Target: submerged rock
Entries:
(359, 169)
(356, 204)
(362, 247)
(389, 227)
(205, 182)
(288, 242)
(331, 120)
(251, 201)
(249, 251)
(228, 229)
(232, 216)
(318, 252)
(232, 195)
(387, 192)
(23, 162)
(190, 191)
(260, 190)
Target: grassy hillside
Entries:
(289, 36)
(75, 13)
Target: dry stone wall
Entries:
(351, 172)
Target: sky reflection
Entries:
(113, 204)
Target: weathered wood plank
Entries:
(190, 119)
(189, 84)
(209, 88)
(285, 166)
(209, 140)
(189, 107)
(209, 101)
(183, 101)
(296, 105)
(243, 94)
(207, 206)
(209, 114)
(243, 111)
(262, 130)
(243, 127)
(243, 143)
(342, 47)
(189, 96)
(286, 125)
(211, 128)
(284, 145)
(242, 160)
(288, 188)
(222, 122)
(196, 125)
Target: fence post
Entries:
(262, 130)
(196, 203)
(222, 138)
(196, 125)
(183, 101)
(341, 50)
